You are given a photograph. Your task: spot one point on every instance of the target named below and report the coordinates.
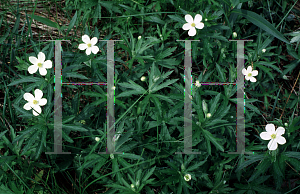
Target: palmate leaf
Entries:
(261, 23)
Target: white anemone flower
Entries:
(89, 45)
(35, 102)
(187, 177)
(39, 63)
(274, 136)
(190, 26)
(249, 74)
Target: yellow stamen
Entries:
(249, 74)
(193, 24)
(89, 45)
(39, 64)
(35, 101)
(273, 136)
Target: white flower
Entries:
(197, 83)
(89, 45)
(39, 63)
(190, 26)
(208, 115)
(35, 102)
(139, 37)
(274, 136)
(234, 34)
(264, 50)
(143, 78)
(187, 177)
(97, 138)
(249, 74)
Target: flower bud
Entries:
(204, 106)
(97, 138)
(208, 115)
(264, 50)
(205, 19)
(234, 34)
(139, 37)
(285, 124)
(112, 156)
(143, 78)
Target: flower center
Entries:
(193, 24)
(35, 101)
(89, 44)
(273, 136)
(39, 64)
(249, 74)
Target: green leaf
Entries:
(163, 85)
(148, 174)
(211, 138)
(131, 156)
(262, 167)
(154, 19)
(42, 143)
(26, 80)
(270, 64)
(46, 21)
(177, 18)
(214, 103)
(261, 23)
(72, 23)
(74, 128)
(75, 75)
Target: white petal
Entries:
(198, 18)
(41, 57)
(86, 39)
(281, 140)
(254, 73)
(47, 64)
(94, 41)
(36, 108)
(42, 71)
(280, 131)
(252, 79)
(247, 78)
(82, 46)
(95, 49)
(186, 26)
(38, 94)
(33, 60)
(88, 51)
(192, 31)
(27, 106)
(249, 69)
(265, 136)
(32, 69)
(272, 145)
(244, 71)
(42, 102)
(270, 128)
(29, 97)
(188, 18)
(200, 25)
